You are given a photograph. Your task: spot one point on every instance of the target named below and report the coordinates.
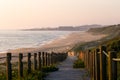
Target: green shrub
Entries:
(78, 64)
(2, 77)
(49, 68)
(34, 75)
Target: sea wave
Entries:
(10, 40)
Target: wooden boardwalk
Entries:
(67, 72)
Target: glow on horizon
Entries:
(18, 14)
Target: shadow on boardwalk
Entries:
(67, 72)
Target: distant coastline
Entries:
(65, 28)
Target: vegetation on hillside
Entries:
(112, 29)
(113, 44)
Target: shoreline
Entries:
(62, 44)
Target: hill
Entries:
(112, 40)
(113, 29)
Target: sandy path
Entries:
(66, 72)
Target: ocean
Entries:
(14, 39)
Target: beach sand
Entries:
(61, 44)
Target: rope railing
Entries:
(101, 64)
(14, 57)
(2, 58)
(105, 54)
(116, 59)
(37, 60)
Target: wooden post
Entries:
(89, 61)
(84, 57)
(29, 63)
(50, 59)
(103, 72)
(94, 77)
(20, 66)
(55, 59)
(39, 61)
(61, 57)
(58, 57)
(97, 64)
(112, 66)
(8, 67)
(46, 56)
(66, 55)
(91, 64)
(43, 59)
(35, 61)
(39, 64)
(85, 60)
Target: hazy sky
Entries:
(17, 14)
